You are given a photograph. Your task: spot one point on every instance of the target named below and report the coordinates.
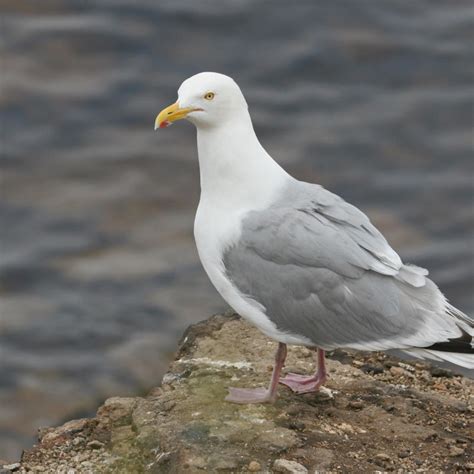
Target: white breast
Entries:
(237, 176)
(215, 230)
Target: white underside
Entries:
(237, 177)
(215, 229)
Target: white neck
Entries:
(236, 171)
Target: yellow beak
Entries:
(169, 115)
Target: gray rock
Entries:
(289, 467)
(95, 444)
(186, 426)
(12, 467)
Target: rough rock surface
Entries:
(382, 415)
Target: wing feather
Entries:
(321, 269)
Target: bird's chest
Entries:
(215, 230)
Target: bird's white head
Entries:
(207, 99)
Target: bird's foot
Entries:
(302, 383)
(250, 395)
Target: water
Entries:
(99, 271)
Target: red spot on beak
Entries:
(165, 124)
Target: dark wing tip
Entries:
(461, 345)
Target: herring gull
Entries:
(297, 261)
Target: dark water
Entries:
(99, 272)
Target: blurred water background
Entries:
(99, 274)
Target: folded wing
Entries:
(321, 269)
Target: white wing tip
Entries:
(462, 360)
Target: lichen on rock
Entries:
(375, 418)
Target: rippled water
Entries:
(99, 271)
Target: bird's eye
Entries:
(209, 95)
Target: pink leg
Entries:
(261, 395)
(303, 384)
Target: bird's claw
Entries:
(303, 384)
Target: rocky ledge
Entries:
(379, 414)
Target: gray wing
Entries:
(372, 250)
(321, 269)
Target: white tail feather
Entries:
(463, 360)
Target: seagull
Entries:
(300, 263)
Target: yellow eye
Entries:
(209, 95)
